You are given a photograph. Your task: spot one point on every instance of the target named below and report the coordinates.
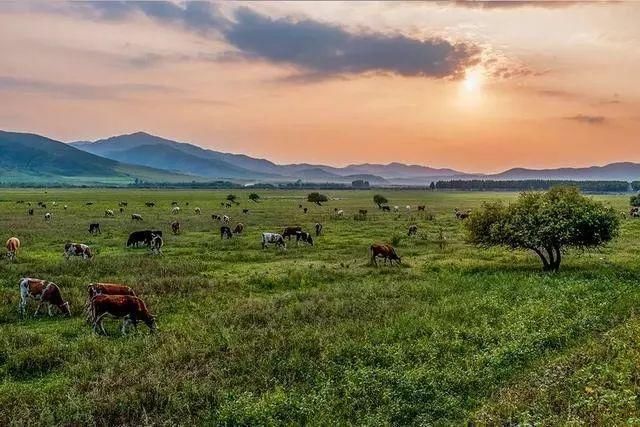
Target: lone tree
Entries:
(546, 223)
(232, 198)
(635, 200)
(317, 198)
(380, 200)
(254, 197)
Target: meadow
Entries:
(315, 335)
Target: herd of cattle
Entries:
(120, 301)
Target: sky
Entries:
(474, 86)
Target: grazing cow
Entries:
(226, 219)
(136, 217)
(44, 292)
(175, 210)
(175, 227)
(94, 228)
(634, 212)
(174, 203)
(19, 202)
(239, 228)
(104, 289)
(386, 209)
(291, 231)
(421, 207)
(340, 213)
(89, 203)
(222, 204)
(318, 227)
(47, 216)
(108, 213)
(383, 251)
(462, 214)
(123, 204)
(121, 210)
(273, 238)
(225, 232)
(305, 210)
(77, 249)
(156, 244)
(245, 211)
(149, 204)
(408, 207)
(138, 238)
(304, 237)
(216, 217)
(197, 211)
(300, 206)
(363, 212)
(396, 208)
(413, 230)
(13, 244)
(65, 207)
(129, 308)
(227, 205)
(54, 203)
(30, 211)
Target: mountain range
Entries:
(28, 157)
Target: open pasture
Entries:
(314, 335)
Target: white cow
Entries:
(175, 210)
(273, 238)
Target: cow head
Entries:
(151, 323)
(64, 308)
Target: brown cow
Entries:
(421, 207)
(291, 231)
(462, 214)
(239, 228)
(413, 230)
(44, 292)
(384, 251)
(13, 244)
(94, 289)
(129, 308)
(175, 227)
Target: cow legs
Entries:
(98, 327)
(125, 322)
(37, 309)
(49, 310)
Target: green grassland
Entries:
(316, 335)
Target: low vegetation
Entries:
(315, 334)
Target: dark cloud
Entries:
(316, 50)
(583, 118)
(325, 49)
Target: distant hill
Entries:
(28, 157)
(615, 171)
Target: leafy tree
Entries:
(360, 183)
(254, 197)
(380, 200)
(432, 186)
(635, 200)
(317, 198)
(232, 198)
(546, 223)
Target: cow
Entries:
(226, 219)
(13, 244)
(421, 207)
(305, 210)
(340, 213)
(175, 227)
(88, 203)
(634, 212)
(396, 208)
(121, 210)
(143, 237)
(129, 308)
(77, 249)
(19, 202)
(462, 214)
(122, 204)
(318, 228)
(136, 217)
(30, 212)
(65, 207)
(174, 203)
(104, 289)
(273, 238)
(44, 292)
(225, 232)
(383, 251)
(47, 216)
(300, 206)
(54, 203)
(216, 217)
(304, 237)
(363, 212)
(413, 230)
(197, 211)
(108, 213)
(175, 210)
(239, 228)
(43, 206)
(222, 204)
(290, 231)
(245, 211)
(94, 228)
(386, 209)
(155, 246)
(149, 204)
(227, 205)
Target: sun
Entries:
(472, 79)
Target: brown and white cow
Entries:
(44, 292)
(94, 289)
(129, 308)
(77, 249)
(13, 244)
(380, 250)
(136, 217)
(239, 228)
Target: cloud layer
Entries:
(591, 120)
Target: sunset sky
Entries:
(478, 87)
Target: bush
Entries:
(317, 198)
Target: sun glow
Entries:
(472, 80)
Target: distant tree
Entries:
(380, 200)
(254, 197)
(545, 223)
(317, 198)
(232, 198)
(359, 183)
(432, 186)
(635, 200)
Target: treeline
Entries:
(635, 185)
(531, 184)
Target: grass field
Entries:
(315, 335)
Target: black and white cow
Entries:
(156, 244)
(304, 237)
(225, 232)
(94, 228)
(318, 227)
(273, 238)
(142, 238)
